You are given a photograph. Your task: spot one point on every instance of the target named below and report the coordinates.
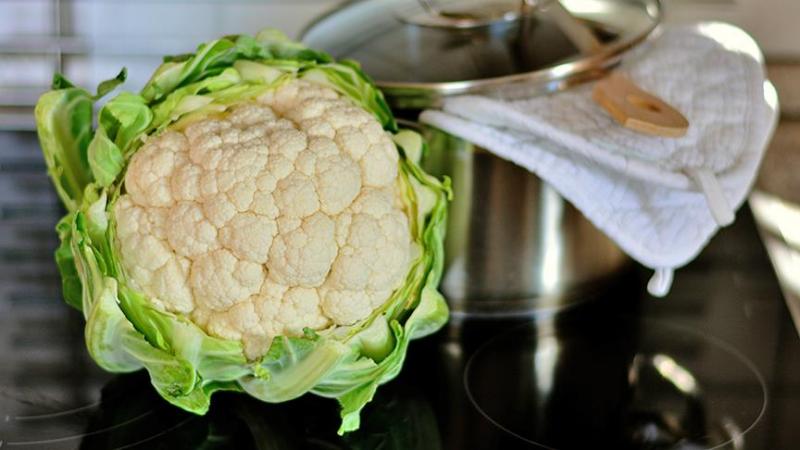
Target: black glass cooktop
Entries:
(716, 364)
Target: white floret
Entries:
(303, 256)
(249, 236)
(219, 280)
(281, 215)
(189, 232)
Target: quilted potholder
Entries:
(660, 199)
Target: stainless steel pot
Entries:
(514, 246)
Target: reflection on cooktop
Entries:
(571, 383)
(716, 364)
(129, 414)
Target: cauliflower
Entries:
(284, 214)
(252, 220)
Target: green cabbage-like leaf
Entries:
(71, 287)
(105, 158)
(64, 123)
(125, 331)
(124, 118)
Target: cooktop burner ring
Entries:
(113, 413)
(723, 420)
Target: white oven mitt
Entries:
(660, 199)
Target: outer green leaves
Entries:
(269, 47)
(347, 78)
(209, 60)
(107, 331)
(71, 287)
(125, 118)
(293, 366)
(279, 46)
(105, 158)
(173, 105)
(64, 123)
(109, 85)
(122, 122)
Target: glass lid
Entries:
(418, 51)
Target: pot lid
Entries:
(420, 51)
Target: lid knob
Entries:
(460, 16)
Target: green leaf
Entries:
(285, 65)
(294, 365)
(107, 330)
(352, 403)
(281, 47)
(240, 92)
(173, 378)
(60, 82)
(209, 57)
(164, 80)
(85, 263)
(124, 118)
(257, 72)
(250, 48)
(64, 125)
(109, 85)
(214, 358)
(412, 144)
(177, 58)
(70, 281)
(105, 323)
(165, 112)
(96, 222)
(209, 60)
(105, 159)
(376, 341)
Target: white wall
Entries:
(775, 24)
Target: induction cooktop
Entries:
(716, 364)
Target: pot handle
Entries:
(576, 30)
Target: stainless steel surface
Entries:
(418, 66)
(513, 245)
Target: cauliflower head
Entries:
(252, 220)
(283, 214)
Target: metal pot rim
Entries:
(575, 70)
